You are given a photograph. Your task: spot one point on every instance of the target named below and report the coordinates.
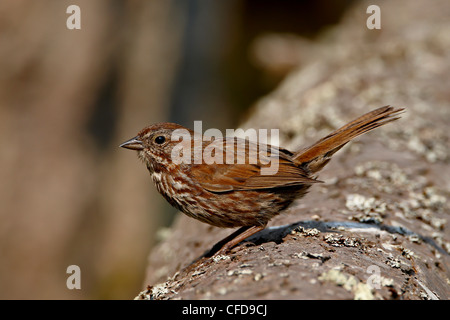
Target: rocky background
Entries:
(378, 228)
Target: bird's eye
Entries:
(160, 139)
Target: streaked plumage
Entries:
(237, 194)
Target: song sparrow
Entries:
(237, 194)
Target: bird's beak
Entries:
(133, 144)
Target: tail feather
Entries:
(319, 154)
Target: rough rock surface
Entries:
(378, 228)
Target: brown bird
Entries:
(237, 194)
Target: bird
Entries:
(236, 193)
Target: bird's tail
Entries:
(317, 156)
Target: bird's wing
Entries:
(252, 168)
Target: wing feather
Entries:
(247, 175)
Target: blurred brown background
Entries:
(68, 98)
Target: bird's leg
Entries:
(233, 239)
